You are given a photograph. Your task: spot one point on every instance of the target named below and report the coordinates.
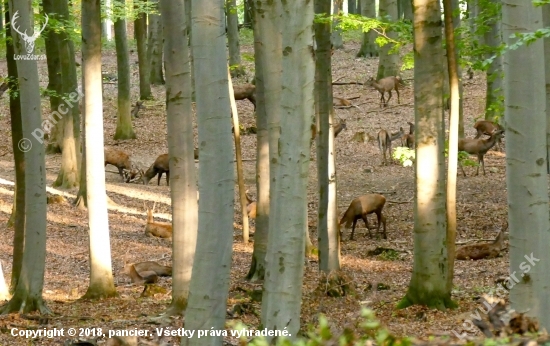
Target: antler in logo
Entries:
(29, 40)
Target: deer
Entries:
(384, 85)
(408, 139)
(479, 147)
(481, 251)
(145, 277)
(160, 166)
(245, 91)
(137, 107)
(486, 127)
(157, 229)
(151, 266)
(385, 139)
(119, 159)
(337, 129)
(250, 206)
(360, 207)
(133, 175)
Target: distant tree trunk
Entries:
(233, 38)
(337, 40)
(211, 268)
(368, 46)
(494, 105)
(140, 32)
(327, 215)
(124, 129)
(452, 68)
(248, 13)
(264, 65)
(19, 156)
(406, 6)
(154, 48)
(352, 6)
(189, 30)
(101, 275)
(359, 6)
(282, 295)
(68, 176)
(179, 114)
(2, 18)
(388, 64)
(526, 123)
(4, 291)
(81, 201)
(55, 79)
(27, 296)
(546, 23)
(106, 25)
(428, 284)
(456, 24)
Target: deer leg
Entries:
(461, 168)
(364, 217)
(120, 171)
(398, 100)
(158, 181)
(167, 178)
(389, 98)
(353, 229)
(382, 99)
(482, 163)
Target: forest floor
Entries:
(380, 281)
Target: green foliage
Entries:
(128, 10)
(404, 155)
(463, 157)
(246, 37)
(389, 255)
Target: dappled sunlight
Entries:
(427, 183)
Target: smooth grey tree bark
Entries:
(124, 129)
(27, 296)
(101, 274)
(546, 23)
(368, 46)
(233, 39)
(282, 294)
(429, 278)
(106, 24)
(183, 188)
(494, 105)
(389, 63)
(154, 48)
(406, 6)
(140, 32)
(211, 268)
(337, 40)
(526, 181)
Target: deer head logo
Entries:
(29, 40)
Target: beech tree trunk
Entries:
(101, 274)
(106, 25)
(154, 48)
(140, 32)
(494, 105)
(233, 39)
(368, 46)
(546, 23)
(389, 63)
(27, 296)
(337, 40)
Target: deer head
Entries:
(29, 40)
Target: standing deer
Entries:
(384, 141)
(478, 147)
(386, 85)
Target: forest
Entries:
(207, 172)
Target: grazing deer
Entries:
(137, 107)
(384, 141)
(386, 85)
(486, 127)
(117, 158)
(360, 207)
(408, 139)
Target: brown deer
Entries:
(151, 266)
(133, 175)
(245, 91)
(157, 229)
(486, 127)
(384, 85)
(117, 158)
(145, 277)
(337, 129)
(385, 139)
(360, 207)
(408, 139)
(478, 147)
(481, 251)
(160, 166)
(137, 107)
(250, 207)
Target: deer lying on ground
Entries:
(384, 141)
(117, 158)
(145, 277)
(478, 147)
(481, 251)
(137, 107)
(157, 229)
(384, 85)
(150, 266)
(360, 207)
(408, 139)
(160, 166)
(486, 127)
(245, 91)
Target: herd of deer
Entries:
(359, 207)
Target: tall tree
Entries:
(27, 296)
(154, 47)
(526, 181)
(4, 291)
(546, 23)
(106, 25)
(327, 215)
(352, 6)
(101, 274)
(288, 214)
(233, 38)
(428, 284)
(493, 38)
(337, 9)
(140, 32)
(406, 6)
(368, 46)
(248, 16)
(265, 30)
(388, 64)
(180, 149)
(19, 157)
(68, 176)
(211, 268)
